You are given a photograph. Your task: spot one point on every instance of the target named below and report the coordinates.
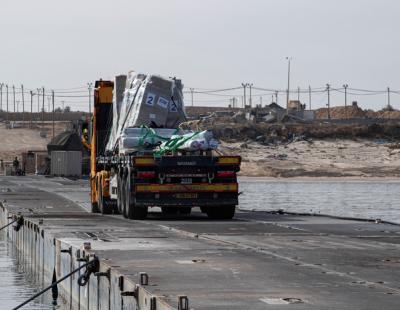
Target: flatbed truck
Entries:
(176, 182)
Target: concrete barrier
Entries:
(105, 290)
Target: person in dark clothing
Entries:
(16, 163)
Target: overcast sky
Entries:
(209, 44)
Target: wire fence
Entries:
(15, 99)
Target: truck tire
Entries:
(95, 207)
(185, 210)
(119, 195)
(123, 196)
(221, 213)
(134, 212)
(169, 210)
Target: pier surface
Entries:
(256, 261)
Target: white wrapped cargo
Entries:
(147, 101)
(200, 141)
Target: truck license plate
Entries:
(186, 181)
(186, 195)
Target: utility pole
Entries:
(276, 97)
(244, 94)
(288, 85)
(345, 99)
(23, 105)
(309, 96)
(38, 100)
(250, 86)
(52, 97)
(90, 97)
(14, 101)
(388, 97)
(90, 111)
(43, 106)
(298, 93)
(31, 92)
(329, 100)
(1, 97)
(7, 103)
(191, 93)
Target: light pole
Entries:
(345, 99)
(288, 85)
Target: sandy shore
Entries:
(318, 158)
(355, 158)
(18, 140)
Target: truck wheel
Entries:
(134, 212)
(123, 196)
(221, 213)
(95, 207)
(169, 210)
(137, 213)
(185, 210)
(119, 195)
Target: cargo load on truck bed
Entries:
(144, 100)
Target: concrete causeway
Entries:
(256, 261)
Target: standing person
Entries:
(15, 165)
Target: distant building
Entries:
(296, 105)
(298, 110)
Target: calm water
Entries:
(17, 281)
(361, 199)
